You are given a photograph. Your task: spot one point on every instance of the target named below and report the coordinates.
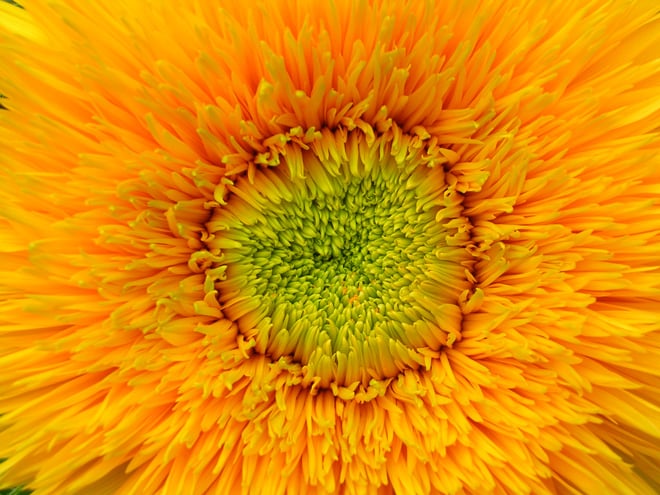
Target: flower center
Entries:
(352, 271)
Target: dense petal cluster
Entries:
(354, 247)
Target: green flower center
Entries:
(353, 271)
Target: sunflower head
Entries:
(347, 247)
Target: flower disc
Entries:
(353, 270)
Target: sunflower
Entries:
(352, 247)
